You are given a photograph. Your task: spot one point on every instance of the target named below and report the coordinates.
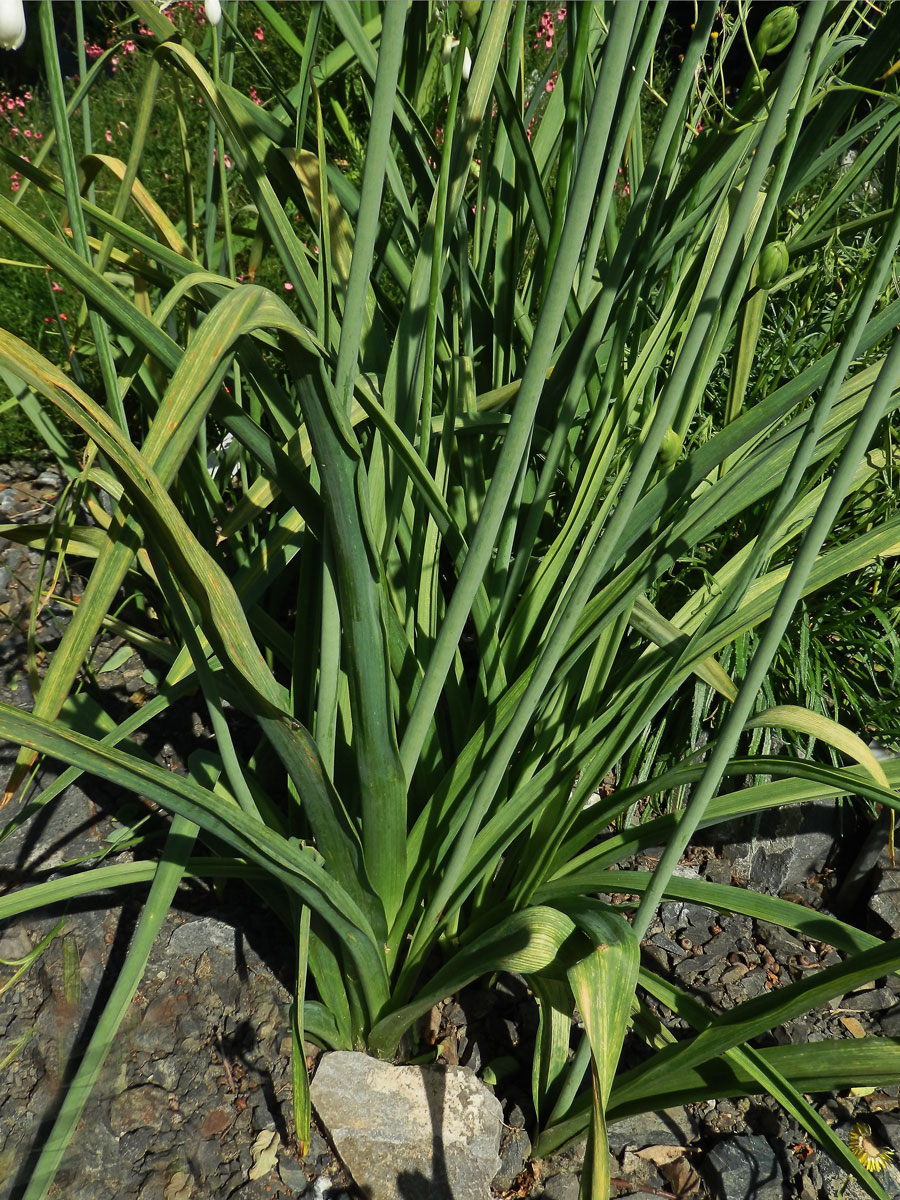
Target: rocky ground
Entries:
(194, 1100)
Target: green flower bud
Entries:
(776, 32)
(670, 448)
(470, 10)
(773, 264)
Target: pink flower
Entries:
(259, 34)
(561, 15)
(288, 287)
(56, 287)
(109, 135)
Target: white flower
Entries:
(213, 11)
(12, 24)
(448, 49)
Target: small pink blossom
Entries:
(109, 135)
(288, 287)
(56, 286)
(259, 34)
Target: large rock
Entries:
(428, 1132)
(744, 1168)
(669, 1127)
(780, 850)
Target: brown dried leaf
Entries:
(681, 1177)
(661, 1154)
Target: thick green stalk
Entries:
(368, 220)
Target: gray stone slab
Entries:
(782, 849)
(670, 1127)
(744, 1168)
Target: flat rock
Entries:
(563, 1186)
(744, 1168)
(428, 1132)
(670, 1127)
(138, 1108)
(782, 849)
(194, 937)
(885, 901)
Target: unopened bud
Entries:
(776, 31)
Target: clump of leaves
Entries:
(433, 564)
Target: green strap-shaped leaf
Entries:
(603, 984)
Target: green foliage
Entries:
(522, 471)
